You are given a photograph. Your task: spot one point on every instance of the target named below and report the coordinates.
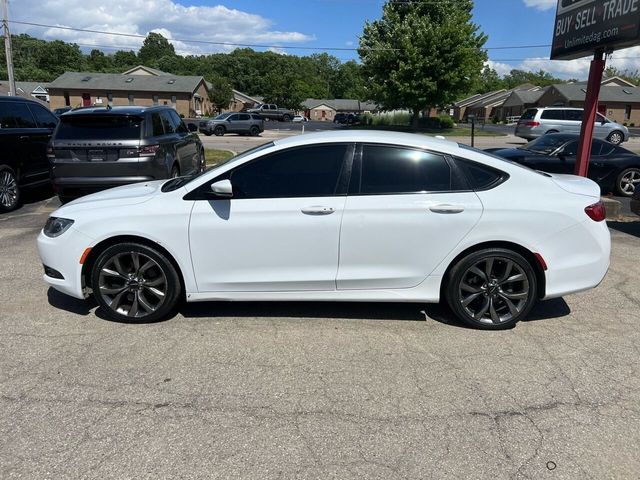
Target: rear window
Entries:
(553, 115)
(99, 127)
(530, 114)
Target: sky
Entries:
(309, 26)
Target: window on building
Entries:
(67, 101)
(110, 99)
(131, 99)
(173, 100)
(627, 112)
(155, 99)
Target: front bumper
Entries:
(62, 254)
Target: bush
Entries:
(436, 123)
(632, 124)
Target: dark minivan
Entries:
(25, 130)
(96, 148)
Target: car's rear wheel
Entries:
(286, 118)
(615, 137)
(135, 283)
(491, 289)
(255, 131)
(207, 133)
(627, 181)
(218, 131)
(9, 189)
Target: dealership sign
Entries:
(584, 26)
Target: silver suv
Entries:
(536, 122)
(240, 123)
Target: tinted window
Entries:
(234, 117)
(98, 127)
(244, 116)
(597, 148)
(178, 124)
(530, 114)
(553, 115)
(157, 129)
(401, 170)
(298, 172)
(575, 115)
(480, 177)
(15, 115)
(45, 118)
(605, 147)
(167, 122)
(546, 143)
(572, 149)
(256, 117)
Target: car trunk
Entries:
(576, 184)
(96, 146)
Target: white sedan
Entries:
(299, 118)
(336, 216)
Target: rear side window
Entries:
(157, 129)
(312, 171)
(167, 122)
(244, 117)
(396, 170)
(99, 127)
(480, 177)
(178, 124)
(552, 115)
(575, 115)
(16, 115)
(45, 118)
(529, 114)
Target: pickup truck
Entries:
(269, 111)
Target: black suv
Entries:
(25, 130)
(102, 147)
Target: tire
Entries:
(207, 133)
(491, 289)
(218, 131)
(135, 283)
(286, 118)
(175, 171)
(616, 137)
(9, 189)
(254, 131)
(627, 181)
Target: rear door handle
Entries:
(317, 210)
(446, 208)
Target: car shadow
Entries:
(70, 304)
(630, 228)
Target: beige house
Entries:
(139, 86)
(325, 110)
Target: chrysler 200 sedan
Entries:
(336, 216)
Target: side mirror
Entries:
(192, 127)
(222, 188)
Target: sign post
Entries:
(593, 27)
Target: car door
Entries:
(39, 140)
(244, 123)
(280, 230)
(233, 122)
(573, 120)
(405, 212)
(600, 128)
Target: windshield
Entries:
(222, 116)
(544, 144)
(176, 183)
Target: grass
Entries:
(447, 132)
(214, 156)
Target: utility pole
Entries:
(7, 48)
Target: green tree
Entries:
(154, 47)
(628, 75)
(220, 93)
(99, 62)
(539, 78)
(124, 60)
(489, 81)
(421, 54)
(57, 57)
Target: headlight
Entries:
(56, 226)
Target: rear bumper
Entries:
(73, 187)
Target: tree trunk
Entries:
(416, 117)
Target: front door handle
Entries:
(446, 208)
(317, 210)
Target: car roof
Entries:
(118, 110)
(371, 136)
(7, 98)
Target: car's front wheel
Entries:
(133, 283)
(491, 289)
(9, 189)
(627, 181)
(615, 137)
(254, 131)
(218, 131)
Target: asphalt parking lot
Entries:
(315, 390)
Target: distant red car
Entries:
(635, 200)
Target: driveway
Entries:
(315, 390)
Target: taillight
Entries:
(596, 212)
(148, 150)
(51, 154)
(531, 124)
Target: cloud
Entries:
(174, 21)
(500, 68)
(541, 4)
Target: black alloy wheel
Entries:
(218, 131)
(491, 289)
(255, 131)
(9, 189)
(135, 283)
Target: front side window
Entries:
(15, 115)
(312, 171)
(234, 117)
(397, 170)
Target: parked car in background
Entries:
(614, 168)
(59, 111)
(231, 122)
(346, 118)
(535, 122)
(25, 131)
(336, 216)
(635, 200)
(340, 118)
(269, 111)
(300, 118)
(96, 148)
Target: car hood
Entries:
(114, 197)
